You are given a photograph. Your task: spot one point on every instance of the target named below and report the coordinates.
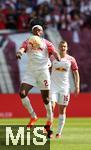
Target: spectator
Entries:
(23, 21)
(2, 22)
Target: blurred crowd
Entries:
(72, 19)
(62, 14)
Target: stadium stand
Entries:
(69, 18)
(82, 52)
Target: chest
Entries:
(62, 65)
(37, 47)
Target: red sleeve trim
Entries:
(74, 65)
(50, 46)
(24, 45)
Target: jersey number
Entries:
(46, 83)
(65, 97)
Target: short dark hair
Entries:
(37, 21)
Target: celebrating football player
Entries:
(60, 82)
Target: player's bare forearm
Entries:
(77, 82)
(20, 53)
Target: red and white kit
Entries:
(37, 72)
(60, 79)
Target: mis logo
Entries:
(18, 136)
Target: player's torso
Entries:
(38, 58)
(60, 74)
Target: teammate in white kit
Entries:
(60, 82)
(37, 72)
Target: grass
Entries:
(76, 133)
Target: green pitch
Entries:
(76, 133)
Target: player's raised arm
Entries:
(21, 50)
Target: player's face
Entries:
(63, 47)
(38, 32)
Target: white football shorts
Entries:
(39, 78)
(60, 98)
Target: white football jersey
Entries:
(38, 58)
(60, 76)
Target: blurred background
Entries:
(62, 19)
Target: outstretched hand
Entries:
(18, 55)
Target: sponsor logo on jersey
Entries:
(61, 69)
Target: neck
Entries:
(63, 54)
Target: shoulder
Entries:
(47, 41)
(73, 63)
(71, 58)
(24, 44)
(49, 45)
